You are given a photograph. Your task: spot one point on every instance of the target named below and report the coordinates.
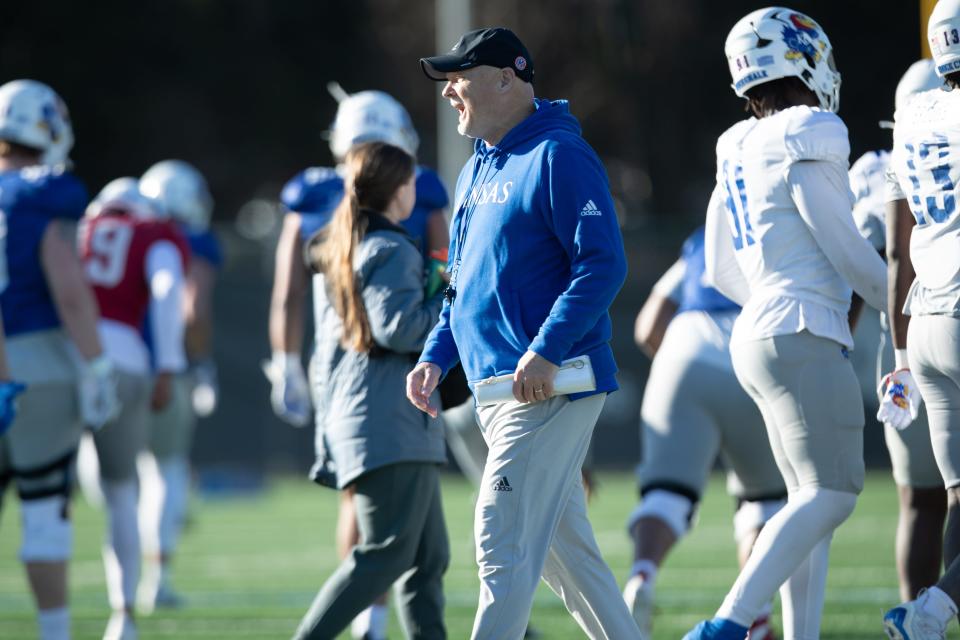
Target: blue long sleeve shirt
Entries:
(536, 256)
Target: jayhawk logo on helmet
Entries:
(802, 37)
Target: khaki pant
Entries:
(531, 520)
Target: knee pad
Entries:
(753, 514)
(45, 510)
(674, 509)
(47, 530)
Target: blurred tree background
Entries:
(239, 89)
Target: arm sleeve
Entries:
(670, 284)
(165, 277)
(598, 265)
(722, 271)
(821, 192)
(399, 316)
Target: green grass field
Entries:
(250, 567)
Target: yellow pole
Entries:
(926, 8)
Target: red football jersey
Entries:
(113, 249)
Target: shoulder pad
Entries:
(315, 190)
(815, 134)
(734, 135)
(431, 194)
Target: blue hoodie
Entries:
(536, 255)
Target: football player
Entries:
(693, 409)
(310, 198)
(134, 263)
(926, 281)
(178, 399)
(919, 485)
(50, 317)
(781, 241)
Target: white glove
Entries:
(290, 395)
(206, 388)
(99, 403)
(900, 397)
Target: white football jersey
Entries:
(793, 285)
(926, 159)
(867, 181)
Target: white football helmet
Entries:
(943, 34)
(372, 115)
(124, 193)
(920, 76)
(776, 42)
(33, 115)
(182, 190)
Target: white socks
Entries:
(175, 472)
(54, 623)
(121, 553)
(809, 518)
(371, 623)
(801, 596)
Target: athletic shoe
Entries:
(717, 629)
(909, 621)
(761, 629)
(638, 594)
(167, 598)
(120, 627)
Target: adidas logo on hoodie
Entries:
(590, 209)
(502, 484)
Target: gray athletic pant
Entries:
(934, 346)
(531, 520)
(403, 539)
(810, 400)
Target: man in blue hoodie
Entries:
(536, 259)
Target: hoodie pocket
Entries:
(516, 331)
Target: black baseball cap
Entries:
(497, 47)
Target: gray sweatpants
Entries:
(403, 539)
(934, 346)
(531, 520)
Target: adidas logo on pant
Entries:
(590, 209)
(502, 484)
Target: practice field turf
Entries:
(250, 567)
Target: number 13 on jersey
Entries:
(932, 189)
(737, 205)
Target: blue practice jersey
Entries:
(30, 199)
(696, 295)
(204, 245)
(315, 193)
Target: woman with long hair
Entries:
(372, 317)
